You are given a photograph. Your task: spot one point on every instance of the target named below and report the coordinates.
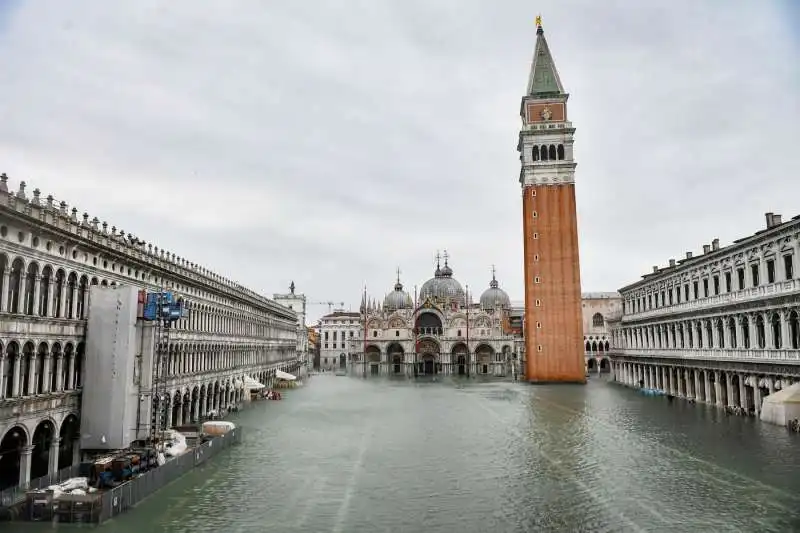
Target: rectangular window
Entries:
(727, 282)
(535, 214)
(649, 301)
(397, 333)
(663, 298)
(670, 297)
(539, 348)
(754, 272)
(695, 290)
(686, 292)
(787, 266)
(326, 346)
(536, 279)
(538, 303)
(533, 193)
(536, 257)
(535, 235)
(740, 278)
(677, 294)
(716, 285)
(538, 325)
(705, 288)
(771, 271)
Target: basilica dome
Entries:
(398, 298)
(443, 286)
(494, 297)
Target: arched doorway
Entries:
(342, 361)
(484, 355)
(429, 352)
(374, 359)
(396, 356)
(460, 354)
(11, 447)
(43, 437)
(69, 435)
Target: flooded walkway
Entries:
(361, 456)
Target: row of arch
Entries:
(28, 368)
(545, 152)
(774, 329)
(193, 358)
(26, 288)
(29, 453)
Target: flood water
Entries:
(361, 456)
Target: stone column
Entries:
(768, 336)
(4, 306)
(729, 391)
(756, 394)
(59, 372)
(786, 332)
(31, 374)
(743, 403)
(15, 392)
(707, 386)
(687, 382)
(49, 302)
(62, 302)
(3, 377)
(37, 281)
(697, 386)
(47, 371)
(85, 313)
(771, 384)
(52, 458)
(718, 388)
(71, 371)
(75, 296)
(25, 466)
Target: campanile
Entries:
(553, 324)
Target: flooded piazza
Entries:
(351, 455)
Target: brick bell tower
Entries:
(553, 324)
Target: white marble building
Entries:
(334, 331)
(444, 333)
(721, 327)
(49, 256)
(297, 303)
(598, 308)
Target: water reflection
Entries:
(352, 455)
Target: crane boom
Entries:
(328, 303)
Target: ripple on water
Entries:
(355, 456)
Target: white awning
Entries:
(280, 374)
(252, 384)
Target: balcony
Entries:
(750, 356)
(27, 406)
(783, 288)
(432, 332)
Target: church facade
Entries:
(439, 331)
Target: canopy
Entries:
(252, 384)
(782, 407)
(280, 374)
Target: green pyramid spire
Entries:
(543, 79)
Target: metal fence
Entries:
(101, 506)
(14, 495)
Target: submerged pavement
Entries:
(351, 455)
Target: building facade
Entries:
(554, 336)
(334, 331)
(721, 327)
(438, 331)
(49, 258)
(313, 347)
(599, 310)
(297, 303)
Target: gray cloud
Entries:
(329, 142)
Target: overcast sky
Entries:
(329, 142)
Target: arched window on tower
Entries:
(552, 152)
(560, 152)
(543, 152)
(535, 153)
(598, 321)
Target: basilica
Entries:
(438, 331)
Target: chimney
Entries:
(715, 244)
(706, 248)
(655, 269)
(688, 255)
(672, 262)
(768, 216)
(776, 220)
